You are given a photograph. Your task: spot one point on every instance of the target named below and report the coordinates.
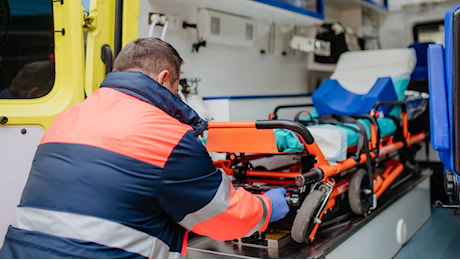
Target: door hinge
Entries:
(89, 22)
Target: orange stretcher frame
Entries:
(257, 137)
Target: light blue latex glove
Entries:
(280, 207)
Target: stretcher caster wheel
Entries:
(305, 221)
(359, 192)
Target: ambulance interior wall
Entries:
(228, 71)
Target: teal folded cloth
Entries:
(288, 141)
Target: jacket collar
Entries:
(139, 85)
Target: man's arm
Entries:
(202, 198)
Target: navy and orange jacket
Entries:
(124, 174)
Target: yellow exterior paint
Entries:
(130, 21)
(103, 13)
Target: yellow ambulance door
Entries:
(130, 22)
(41, 74)
(111, 24)
(100, 24)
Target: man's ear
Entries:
(162, 77)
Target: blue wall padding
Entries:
(421, 68)
(419, 74)
(332, 98)
(438, 99)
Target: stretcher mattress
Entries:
(333, 140)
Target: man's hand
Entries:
(279, 205)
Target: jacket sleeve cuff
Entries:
(266, 204)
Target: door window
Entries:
(27, 68)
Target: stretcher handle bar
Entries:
(391, 103)
(314, 175)
(274, 115)
(287, 124)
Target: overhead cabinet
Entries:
(380, 6)
(314, 8)
(288, 12)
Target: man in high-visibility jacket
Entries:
(124, 174)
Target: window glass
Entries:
(85, 4)
(26, 48)
(429, 32)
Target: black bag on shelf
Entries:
(342, 39)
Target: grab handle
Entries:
(287, 124)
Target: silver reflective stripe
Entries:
(92, 229)
(216, 206)
(262, 220)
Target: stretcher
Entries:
(350, 148)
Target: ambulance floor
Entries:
(439, 238)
